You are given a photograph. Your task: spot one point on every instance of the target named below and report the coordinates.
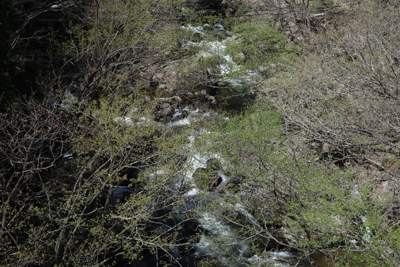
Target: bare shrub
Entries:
(345, 91)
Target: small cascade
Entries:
(228, 68)
(69, 101)
(234, 81)
(187, 121)
(220, 240)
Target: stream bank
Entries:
(216, 243)
(182, 205)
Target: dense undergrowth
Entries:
(314, 159)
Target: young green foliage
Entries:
(296, 203)
(63, 165)
(119, 40)
(257, 45)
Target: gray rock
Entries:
(165, 112)
(212, 99)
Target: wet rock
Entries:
(235, 95)
(166, 112)
(179, 115)
(233, 215)
(200, 93)
(212, 99)
(171, 100)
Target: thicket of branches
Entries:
(344, 91)
(64, 161)
(316, 161)
(80, 171)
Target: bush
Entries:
(61, 165)
(344, 91)
(258, 45)
(296, 203)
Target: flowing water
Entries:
(218, 241)
(235, 81)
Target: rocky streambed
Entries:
(205, 239)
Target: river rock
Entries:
(212, 99)
(171, 100)
(200, 93)
(163, 77)
(166, 112)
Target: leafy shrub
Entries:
(296, 203)
(259, 45)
